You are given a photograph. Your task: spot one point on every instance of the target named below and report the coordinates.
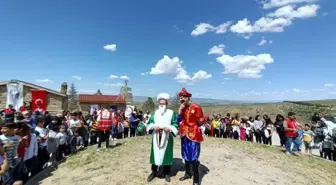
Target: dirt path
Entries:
(223, 162)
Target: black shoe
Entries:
(185, 177)
(151, 177)
(167, 177)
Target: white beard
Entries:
(162, 109)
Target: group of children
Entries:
(26, 150)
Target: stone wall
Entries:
(55, 102)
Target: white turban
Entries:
(163, 96)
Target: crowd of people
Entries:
(292, 134)
(33, 140)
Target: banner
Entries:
(93, 108)
(129, 110)
(15, 95)
(39, 100)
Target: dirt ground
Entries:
(223, 162)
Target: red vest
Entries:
(291, 125)
(105, 122)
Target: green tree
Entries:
(174, 104)
(149, 105)
(72, 98)
(98, 92)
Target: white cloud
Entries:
(116, 77)
(325, 14)
(124, 78)
(329, 85)
(168, 66)
(262, 42)
(278, 3)
(77, 77)
(110, 47)
(44, 81)
(173, 66)
(227, 79)
(276, 21)
(289, 11)
(203, 28)
(144, 74)
(113, 76)
(113, 85)
(217, 50)
(222, 28)
(245, 66)
(177, 28)
(296, 90)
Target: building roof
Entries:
(33, 86)
(97, 99)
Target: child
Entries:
(140, 128)
(94, 131)
(308, 137)
(62, 138)
(42, 137)
(120, 130)
(77, 142)
(4, 166)
(52, 142)
(11, 143)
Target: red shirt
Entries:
(22, 148)
(192, 117)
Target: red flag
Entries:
(39, 99)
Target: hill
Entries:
(304, 110)
(203, 101)
(222, 162)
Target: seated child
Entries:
(77, 142)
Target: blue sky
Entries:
(266, 49)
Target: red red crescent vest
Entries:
(291, 125)
(105, 122)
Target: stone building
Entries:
(56, 101)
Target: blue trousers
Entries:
(296, 141)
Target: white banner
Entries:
(15, 95)
(93, 107)
(129, 110)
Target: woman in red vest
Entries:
(291, 127)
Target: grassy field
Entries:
(222, 162)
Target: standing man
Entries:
(191, 135)
(164, 127)
(104, 120)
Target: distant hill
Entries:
(201, 101)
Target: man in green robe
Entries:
(163, 126)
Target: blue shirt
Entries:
(132, 122)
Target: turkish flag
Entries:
(39, 98)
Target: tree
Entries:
(149, 105)
(98, 92)
(72, 98)
(175, 103)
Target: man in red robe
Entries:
(192, 118)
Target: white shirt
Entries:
(43, 133)
(62, 138)
(31, 151)
(74, 123)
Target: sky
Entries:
(260, 50)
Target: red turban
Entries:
(184, 93)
